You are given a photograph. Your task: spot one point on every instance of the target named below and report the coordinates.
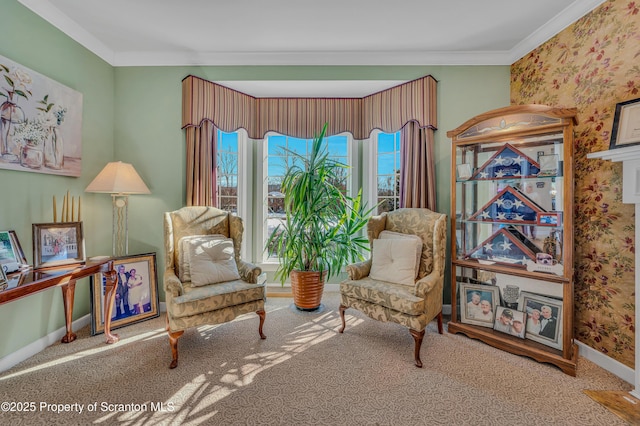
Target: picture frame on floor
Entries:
(477, 303)
(544, 319)
(136, 292)
(56, 244)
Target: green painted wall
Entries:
(148, 119)
(26, 198)
(133, 114)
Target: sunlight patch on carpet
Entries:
(93, 351)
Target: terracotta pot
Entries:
(307, 287)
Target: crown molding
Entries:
(55, 17)
(327, 58)
(554, 26)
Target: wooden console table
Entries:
(35, 280)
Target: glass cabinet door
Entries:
(509, 200)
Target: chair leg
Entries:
(342, 309)
(173, 341)
(439, 317)
(417, 336)
(261, 313)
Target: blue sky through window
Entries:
(278, 158)
(388, 153)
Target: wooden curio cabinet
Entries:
(512, 241)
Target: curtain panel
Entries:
(201, 168)
(417, 167)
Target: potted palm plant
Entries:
(322, 231)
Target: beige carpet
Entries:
(305, 373)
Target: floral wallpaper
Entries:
(592, 65)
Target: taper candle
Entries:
(54, 210)
(79, 218)
(73, 209)
(64, 208)
(66, 218)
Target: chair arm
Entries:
(427, 284)
(357, 271)
(172, 283)
(248, 271)
(430, 288)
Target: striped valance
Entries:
(388, 110)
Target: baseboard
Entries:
(611, 365)
(39, 345)
(446, 309)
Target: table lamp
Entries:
(120, 180)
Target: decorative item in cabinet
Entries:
(509, 205)
(507, 162)
(512, 180)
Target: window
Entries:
(234, 162)
(278, 159)
(227, 171)
(384, 170)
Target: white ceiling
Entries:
(308, 32)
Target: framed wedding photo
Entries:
(136, 293)
(626, 124)
(56, 244)
(477, 303)
(544, 319)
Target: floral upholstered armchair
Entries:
(402, 281)
(205, 281)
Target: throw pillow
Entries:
(184, 270)
(212, 261)
(398, 235)
(393, 260)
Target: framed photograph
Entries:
(549, 165)
(3, 280)
(626, 124)
(8, 259)
(57, 244)
(17, 249)
(510, 321)
(463, 171)
(477, 303)
(549, 219)
(544, 319)
(136, 293)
